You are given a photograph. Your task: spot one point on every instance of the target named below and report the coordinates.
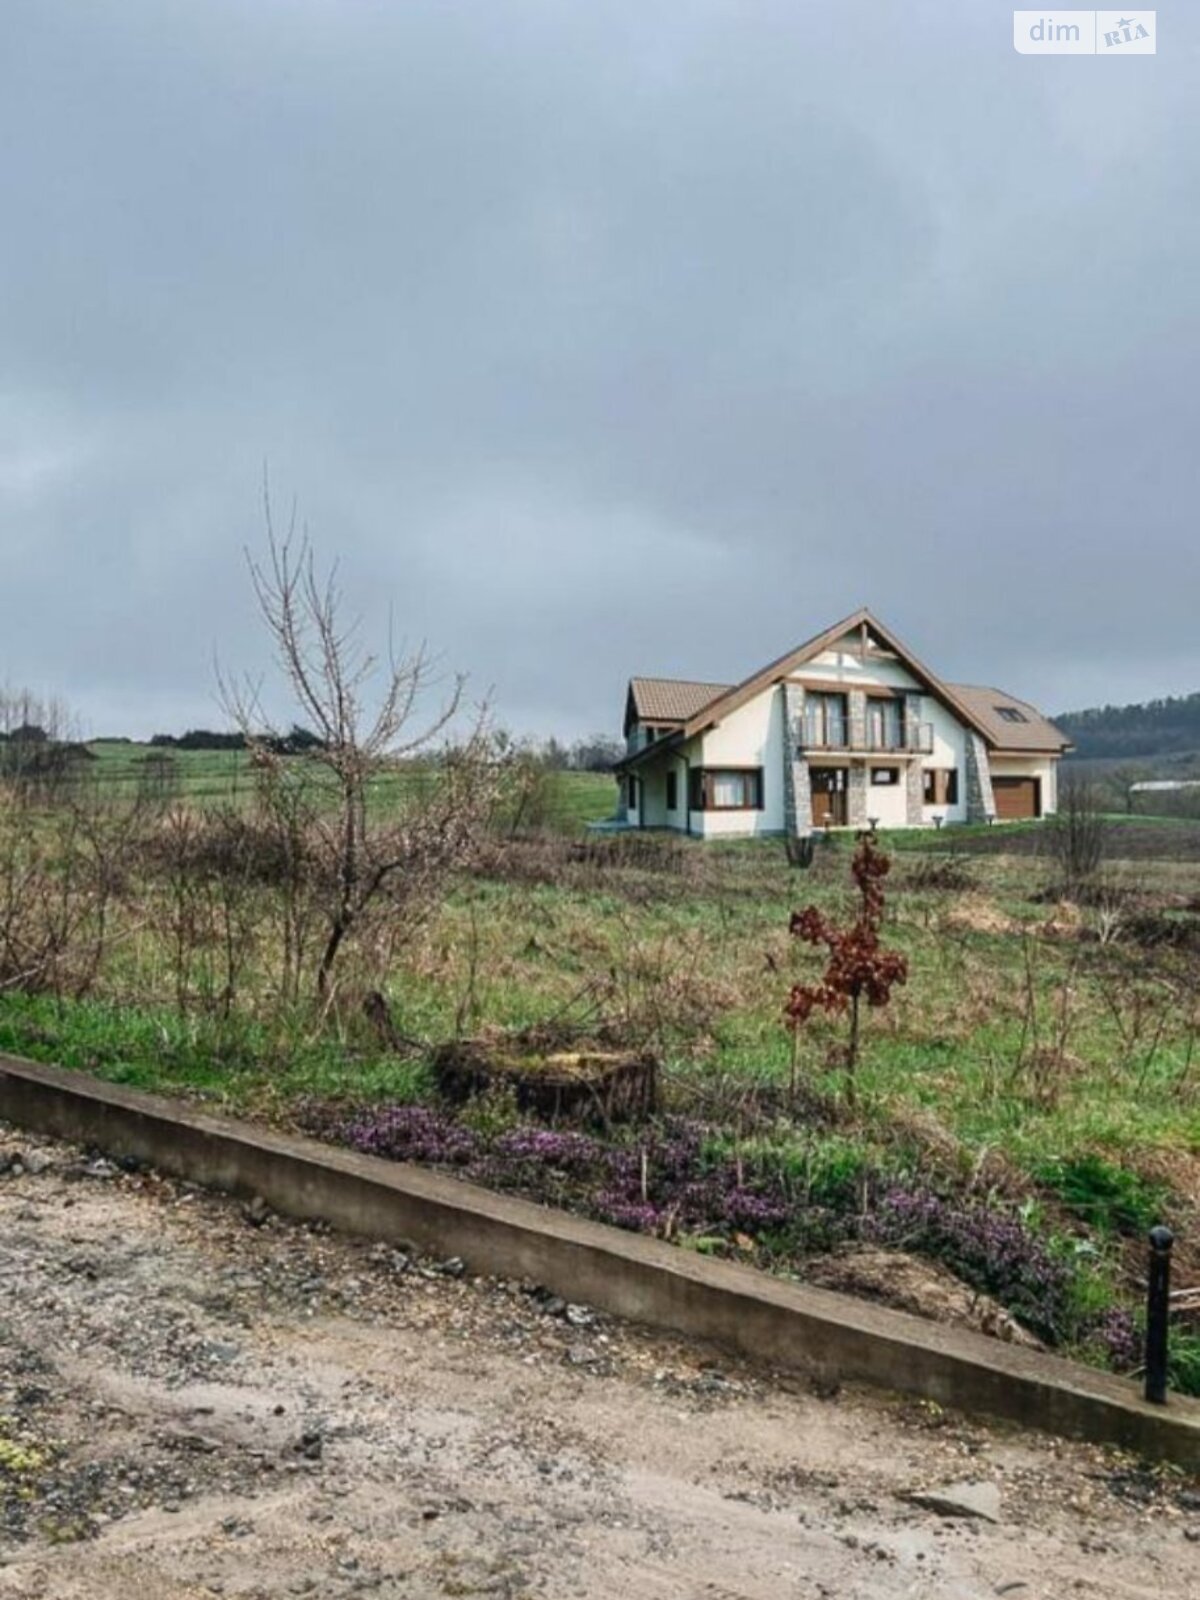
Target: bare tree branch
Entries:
(370, 721)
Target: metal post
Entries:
(1158, 1301)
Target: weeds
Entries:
(178, 954)
(1109, 1198)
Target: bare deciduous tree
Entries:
(393, 802)
(1079, 832)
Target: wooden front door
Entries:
(1017, 798)
(829, 809)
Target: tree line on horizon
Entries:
(1168, 726)
(597, 753)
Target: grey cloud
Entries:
(595, 339)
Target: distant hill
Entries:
(1160, 728)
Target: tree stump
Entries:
(585, 1085)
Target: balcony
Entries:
(833, 735)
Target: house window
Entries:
(631, 792)
(1011, 714)
(825, 721)
(941, 786)
(885, 775)
(672, 790)
(885, 724)
(726, 789)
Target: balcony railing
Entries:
(833, 734)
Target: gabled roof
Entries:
(1024, 729)
(669, 699)
(1033, 734)
(785, 665)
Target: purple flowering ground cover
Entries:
(679, 1180)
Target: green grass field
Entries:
(223, 777)
(1044, 1052)
(1010, 1034)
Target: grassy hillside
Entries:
(1033, 1086)
(218, 777)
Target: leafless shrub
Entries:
(1078, 834)
(1049, 1011)
(1152, 929)
(62, 874)
(1140, 1005)
(658, 993)
(370, 724)
(1110, 913)
(533, 789)
(940, 874)
(212, 881)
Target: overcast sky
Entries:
(596, 337)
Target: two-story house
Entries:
(847, 730)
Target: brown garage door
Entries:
(1017, 798)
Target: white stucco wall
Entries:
(949, 750)
(887, 802)
(654, 794)
(844, 668)
(752, 736)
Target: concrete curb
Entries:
(786, 1325)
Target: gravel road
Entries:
(200, 1399)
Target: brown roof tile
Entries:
(671, 699)
(1026, 729)
(696, 706)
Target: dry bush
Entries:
(533, 791)
(975, 913)
(651, 993)
(212, 881)
(1065, 921)
(1078, 833)
(216, 842)
(63, 874)
(603, 861)
(940, 874)
(1049, 1013)
(1153, 929)
(661, 998)
(1152, 1002)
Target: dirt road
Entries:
(199, 1399)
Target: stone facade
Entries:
(981, 803)
(914, 779)
(857, 707)
(797, 790)
(912, 721)
(914, 794)
(857, 801)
